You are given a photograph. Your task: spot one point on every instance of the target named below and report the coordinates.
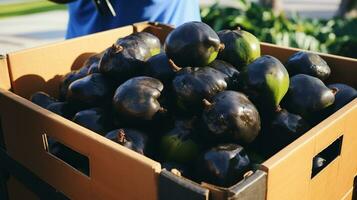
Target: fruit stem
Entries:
(206, 103)
(334, 90)
(121, 136)
(278, 109)
(162, 110)
(221, 47)
(238, 28)
(118, 48)
(173, 66)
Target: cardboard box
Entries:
(124, 174)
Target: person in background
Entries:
(85, 18)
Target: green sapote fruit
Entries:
(92, 90)
(308, 95)
(151, 41)
(160, 67)
(192, 85)
(178, 144)
(137, 98)
(129, 138)
(230, 115)
(63, 109)
(125, 59)
(95, 119)
(241, 47)
(308, 63)
(192, 44)
(42, 99)
(266, 81)
(223, 165)
(232, 74)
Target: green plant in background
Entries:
(335, 36)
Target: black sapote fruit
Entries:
(223, 165)
(42, 99)
(94, 68)
(129, 138)
(307, 95)
(124, 60)
(160, 67)
(343, 95)
(92, 59)
(232, 116)
(192, 44)
(192, 85)
(232, 74)
(68, 79)
(137, 98)
(149, 39)
(241, 47)
(178, 144)
(308, 63)
(63, 109)
(95, 119)
(266, 81)
(92, 90)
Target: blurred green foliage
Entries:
(335, 36)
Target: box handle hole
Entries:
(326, 156)
(64, 153)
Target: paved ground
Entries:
(18, 33)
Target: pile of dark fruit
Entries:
(211, 119)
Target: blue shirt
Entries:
(85, 19)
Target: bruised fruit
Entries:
(92, 90)
(230, 115)
(343, 95)
(124, 60)
(308, 95)
(63, 109)
(137, 98)
(223, 165)
(192, 85)
(129, 138)
(241, 47)
(161, 68)
(42, 99)
(266, 81)
(232, 74)
(192, 44)
(151, 41)
(179, 144)
(95, 119)
(308, 63)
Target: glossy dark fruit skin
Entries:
(307, 95)
(95, 119)
(63, 109)
(223, 165)
(149, 39)
(93, 68)
(179, 144)
(137, 98)
(192, 44)
(129, 138)
(68, 79)
(160, 68)
(308, 63)
(124, 60)
(192, 85)
(266, 81)
(232, 74)
(42, 99)
(232, 116)
(92, 90)
(343, 95)
(92, 59)
(241, 47)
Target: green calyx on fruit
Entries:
(241, 47)
(231, 116)
(308, 95)
(308, 63)
(192, 44)
(266, 81)
(137, 98)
